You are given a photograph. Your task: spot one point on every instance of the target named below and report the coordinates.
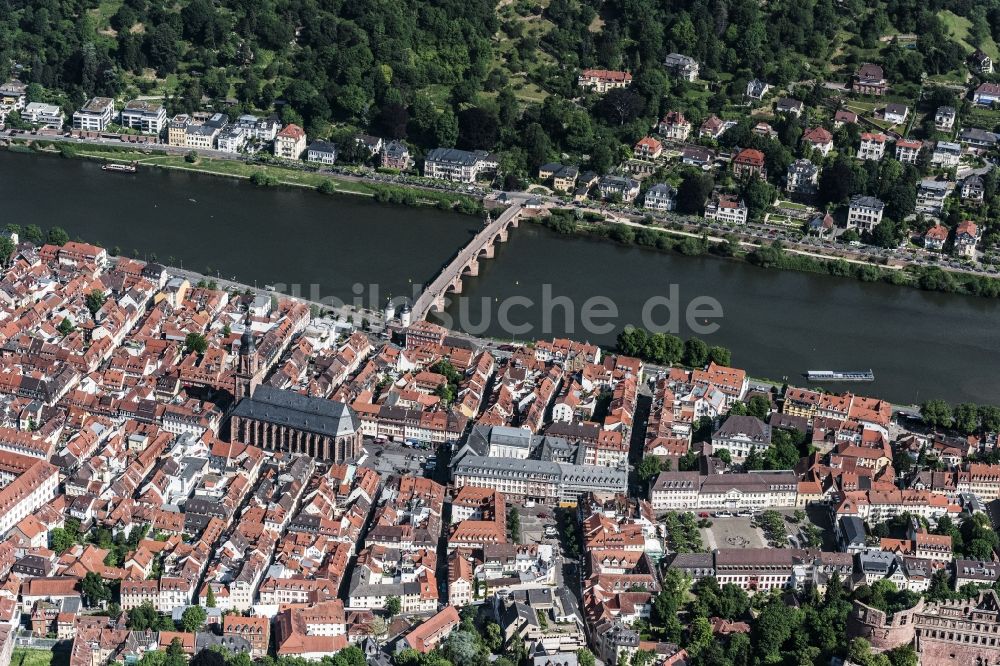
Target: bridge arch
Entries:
(466, 262)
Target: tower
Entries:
(247, 364)
(405, 314)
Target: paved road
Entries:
(747, 235)
(347, 312)
(355, 174)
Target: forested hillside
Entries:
(469, 72)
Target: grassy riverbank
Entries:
(262, 175)
(927, 278)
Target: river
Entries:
(209, 224)
(777, 324)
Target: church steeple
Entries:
(246, 369)
(247, 344)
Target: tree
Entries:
(725, 456)
(210, 597)
(783, 452)
(585, 657)
(700, 636)
(392, 120)
(904, 655)
(633, 341)
(33, 234)
(695, 353)
(989, 417)
(151, 658)
(162, 49)
(732, 602)
(461, 648)
(193, 618)
(65, 327)
(720, 356)
(759, 406)
(621, 106)
(199, 23)
(758, 195)
(445, 130)
(58, 236)
(349, 656)
(143, 617)
(95, 301)
(648, 468)
(393, 606)
(936, 413)
(886, 234)
(668, 602)
(175, 654)
(196, 343)
(773, 627)
(478, 129)
(839, 180)
(209, 657)
(61, 540)
(860, 652)
(7, 249)
(493, 636)
(693, 192)
(966, 418)
(95, 591)
(514, 525)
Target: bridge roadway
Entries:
(466, 261)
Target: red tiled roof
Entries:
(607, 75)
(818, 135)
(292, 131)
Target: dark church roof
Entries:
(294, 410)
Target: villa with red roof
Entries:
(648, 148)
(748, 161)
(820, 139)
(603, 80)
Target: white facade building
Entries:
(95, 115)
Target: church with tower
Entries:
(282, 420)
(248, 365)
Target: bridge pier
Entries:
(472, 268)
(487, 252)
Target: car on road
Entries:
(704, 514)
(723, 514)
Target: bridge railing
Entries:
(440, 282)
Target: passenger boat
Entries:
(841, 375)
(121, 168)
